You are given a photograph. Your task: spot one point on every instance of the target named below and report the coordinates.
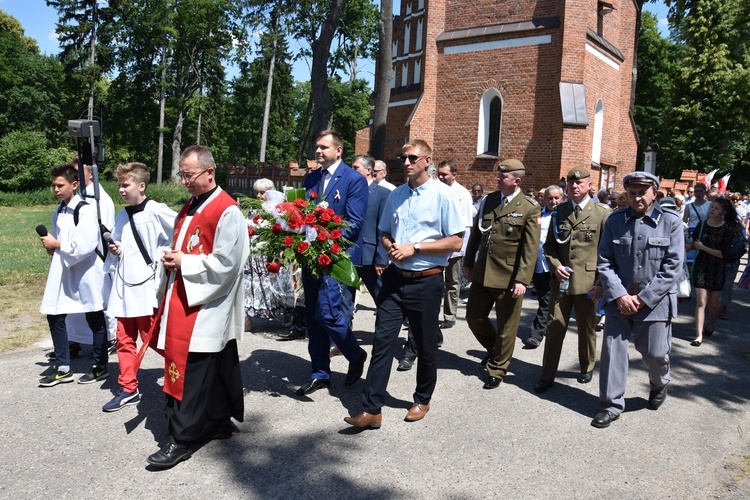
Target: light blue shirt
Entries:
(427, 213)
(542, 266)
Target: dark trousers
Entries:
(419, 300)
(213, 393)
(369, 277)
(499, 343)
(561, 307)
(329, 306)
(98, 325)
(541, 285)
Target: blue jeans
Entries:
(59, 333)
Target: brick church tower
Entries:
(549, 82)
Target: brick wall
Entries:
(527, 77)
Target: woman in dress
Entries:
(267, 295)
(712, 239)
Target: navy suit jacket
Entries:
(373, 252)
(346, 194)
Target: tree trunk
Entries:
(321, 94)
(162, 102)
(269, 87)
(306, 133)
(176, 144)
(383, 81)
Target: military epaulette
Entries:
(620, 210)
(604, 205)
(532, 200)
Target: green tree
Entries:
(77, 30)
(351, 109)
(31, 85)
(26, 159)
(204, 32)
(245, 106)
(709, 124)
(657, 70)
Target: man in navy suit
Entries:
(329, 303)
(374, 255)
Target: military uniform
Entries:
(502, 250)
(644, 257)
(573, 241)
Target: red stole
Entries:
(180, 321)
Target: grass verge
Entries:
(23, 273)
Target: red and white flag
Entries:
(723, 183)
(709, 177)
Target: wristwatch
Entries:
(417, 248)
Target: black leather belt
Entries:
(419, 274)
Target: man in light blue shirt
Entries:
(553, 196)
(421, 225)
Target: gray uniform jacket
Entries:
(643, 257)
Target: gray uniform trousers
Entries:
(653, 339)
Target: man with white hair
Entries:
(380, 173)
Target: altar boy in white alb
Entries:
(142, 232)
(74, 282)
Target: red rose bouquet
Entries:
(290, 229)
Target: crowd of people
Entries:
(187, 285)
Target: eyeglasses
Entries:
(476, 190)
(412, 158)
(378, 172)
(191, 177)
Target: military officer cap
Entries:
(511, 166)
(578, 173)
(668, 202)
(643, 178)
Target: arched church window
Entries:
(490, 123)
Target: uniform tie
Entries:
(577, 210)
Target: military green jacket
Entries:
(504, 242)
(574, 242)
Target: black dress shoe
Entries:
(355, 370)
(603, 419)
(531, 342)
(405, 365)
(492, 383)
(543, 386)
(170, 455)
(656, 398)
(312, 386)
(292, 334)
(447, 323)
(585, 378)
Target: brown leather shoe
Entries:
(417, 412)
(365, 420)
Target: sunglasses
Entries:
(412, 158)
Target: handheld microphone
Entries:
(41, 230)
(107, 237)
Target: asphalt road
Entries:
(506, 443)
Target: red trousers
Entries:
(127, 348)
